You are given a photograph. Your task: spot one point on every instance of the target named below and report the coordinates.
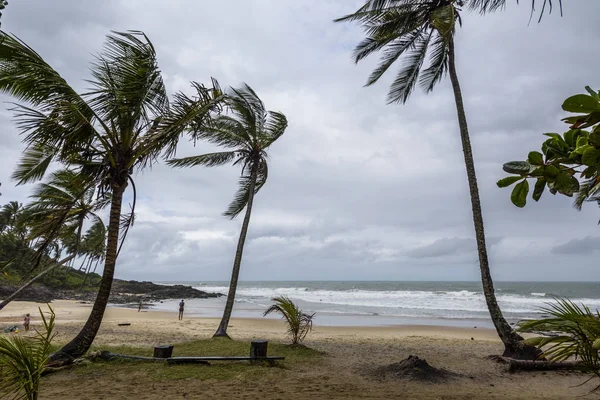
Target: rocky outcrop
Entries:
(123, 292)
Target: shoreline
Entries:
(71, 314)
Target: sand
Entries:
(345, 372)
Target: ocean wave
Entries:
(438, 303)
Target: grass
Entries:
(222, 371)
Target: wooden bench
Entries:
(258, 353)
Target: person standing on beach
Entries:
(181, 306)
(26, 322)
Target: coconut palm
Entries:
(119, 126)
(298, 322)
(246, 134)
(415, 32)
(55, 219)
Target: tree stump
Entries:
(163, 351)
(258, 349)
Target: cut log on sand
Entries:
(524, 365)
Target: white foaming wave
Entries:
(463, 301)
(538, 294)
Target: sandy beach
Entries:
(350, 353)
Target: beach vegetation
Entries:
(413, 34)
(122, 125)
(567, 164)
(245, 132)
(23, 359)
(574, 334)
(51, 231)
(299, 323)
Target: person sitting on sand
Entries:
(181, 306)
(26, 322)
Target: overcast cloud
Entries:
(357, 189)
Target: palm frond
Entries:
(580, 331)
(488, 6)
(186, 114)
(392, 52)
(275, 125)
(34, 163)
(438, 64)
(406, 79)
(23, 360)
(128, 89)
(206, 160)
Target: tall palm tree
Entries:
(55, 218)
(416, 31)
(246, 134)
(121, 125)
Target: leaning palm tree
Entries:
(246, 134)
(120, 126)
(416, 31)
(55, 218)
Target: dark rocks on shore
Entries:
(123, 292)
(39, 294)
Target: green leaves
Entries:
(519, 194)
(581, 103)
(509, 180)
(565, 159)
(517, 167)
(535, 158)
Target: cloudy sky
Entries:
(358, 190)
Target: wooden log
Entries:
(526, 365)
(163, 351)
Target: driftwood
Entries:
(513, 365)
(526, 365)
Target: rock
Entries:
(38, 294)
(123, 292)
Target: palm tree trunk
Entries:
(222, 330)
(82, 342)
(513, 342)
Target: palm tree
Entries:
(56, 217)
(414, 31)
(246, 134)
(299, 323)
(121, 125)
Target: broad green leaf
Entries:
(566, 184)
(591, 156)
(589, 172)
(517, 167)
(582, 140)
(596, 344)
(555, 136)
(535, 158)
(550, 173)
(540, 185)
(509, 180)
(594, 139)
(519, 194)
(581, 103)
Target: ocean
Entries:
(370, 303)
